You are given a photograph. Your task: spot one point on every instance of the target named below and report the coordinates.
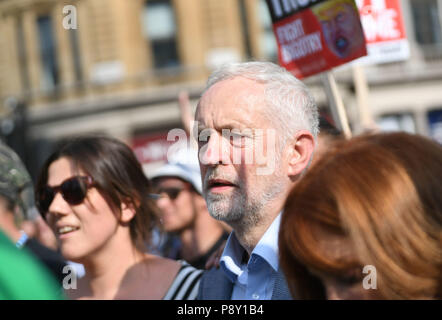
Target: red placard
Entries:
(315, 36)
(151, 148)
(382, 20)
(384, 30)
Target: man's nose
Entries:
(215, 151)
(163, 202)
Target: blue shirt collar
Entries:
(267, 249)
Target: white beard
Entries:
(246, 208)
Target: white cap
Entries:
(183, 164)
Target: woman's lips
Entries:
(66, 231)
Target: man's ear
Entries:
(300, 152)
(128, 212)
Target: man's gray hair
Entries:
(290, 104)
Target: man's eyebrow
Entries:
(228, 125)
(237, 125)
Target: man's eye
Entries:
(204, 141)
(238, 140)
(204, 136)
(340, 17)
(325, 24)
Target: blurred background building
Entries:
(120, 71)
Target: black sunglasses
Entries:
(73, 190)
(172, 193)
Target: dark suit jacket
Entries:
(215, 285)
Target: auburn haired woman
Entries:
(366, 222)
(95, 197)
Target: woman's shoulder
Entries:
(165, 267)
(186, 283)
(153, 272)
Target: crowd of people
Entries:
(274, 204)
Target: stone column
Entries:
(32, 51)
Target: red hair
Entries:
(383, 192)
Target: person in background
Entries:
(184, 211)
(38, 229)
(17, 199)
(95, 197)
(328, 134)
(22, 277)
(247, 108)
(22, 273)
(366, 221)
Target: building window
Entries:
(159, 28)
(21, 50)
(73, 35)
(269, 48)
(49, 75)
(427, 24)
(435, 124)
(397, 122)
(245, 29)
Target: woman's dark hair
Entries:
(117, 175)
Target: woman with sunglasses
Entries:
(95, 197)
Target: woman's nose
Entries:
(58, 205)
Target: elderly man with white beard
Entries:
(257, 126)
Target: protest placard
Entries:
(315, 36)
